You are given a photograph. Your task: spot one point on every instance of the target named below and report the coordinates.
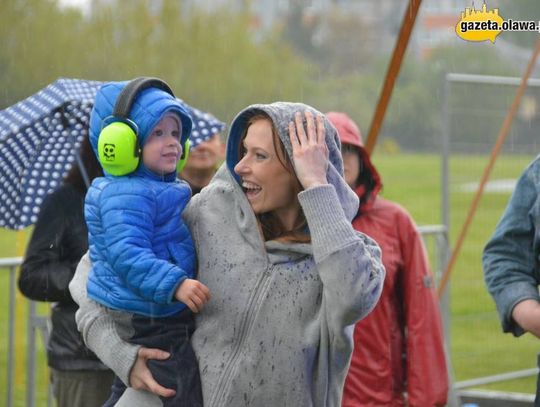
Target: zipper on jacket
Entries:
(226, 378)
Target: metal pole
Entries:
(82, 168)
(442, 250)
(445, 152)
(444, 304)
(489, 79)
(497, 378)
(11, 337)
(407, 25)
(445, 204)
(31, 356)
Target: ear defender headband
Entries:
(118, 144)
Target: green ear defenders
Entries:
(183, 158)
(118, 144)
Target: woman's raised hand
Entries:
(310, 153)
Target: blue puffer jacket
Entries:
(140, 248)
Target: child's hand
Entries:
(193, 293)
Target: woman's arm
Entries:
(349, 262)
(104, 335)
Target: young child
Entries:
(143, 257)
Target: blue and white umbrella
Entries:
(39, 140)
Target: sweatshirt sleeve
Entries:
(349, 262)
(427, 374)
(100, 332)
(510, 256)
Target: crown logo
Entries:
(479, 25)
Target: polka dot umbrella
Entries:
(39, 140)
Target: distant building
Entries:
(383, 15)
(435, 25)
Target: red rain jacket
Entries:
(399, 345)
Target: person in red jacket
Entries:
(399, 357)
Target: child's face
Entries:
(162, 149)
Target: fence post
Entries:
(440, 235)
(31, 356)
(11, 338)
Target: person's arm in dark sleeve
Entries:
(45, 274)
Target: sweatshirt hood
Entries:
(148, 109)
(281, 113)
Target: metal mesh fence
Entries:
(475, 109)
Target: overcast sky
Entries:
(78, 3)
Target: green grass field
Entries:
(477, 345)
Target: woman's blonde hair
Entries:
(271, 226)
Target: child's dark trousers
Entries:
(179, 372)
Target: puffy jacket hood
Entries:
(149, 107)
(281, 113)
(369, 181)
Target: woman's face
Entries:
(268, 186)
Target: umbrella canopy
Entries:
(39, 140)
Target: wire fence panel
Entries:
(23, 368)
(475, 108)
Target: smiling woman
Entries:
(275, 331)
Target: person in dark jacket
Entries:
(58, 241)
(399, 354)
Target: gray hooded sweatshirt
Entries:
(277, 330)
